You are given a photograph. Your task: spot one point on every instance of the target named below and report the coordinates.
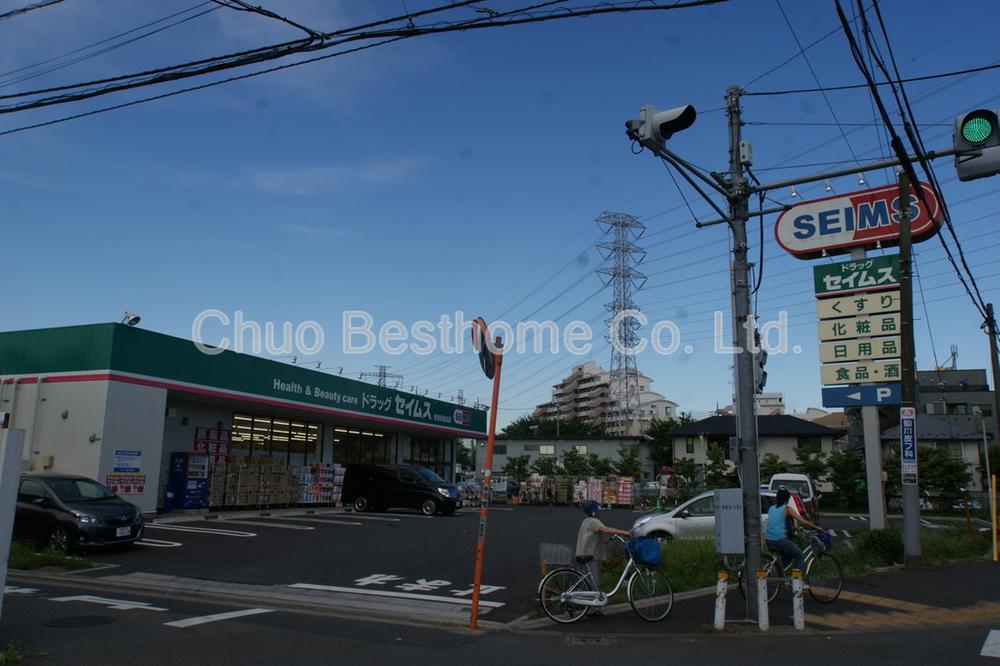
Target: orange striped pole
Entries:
(487, 480)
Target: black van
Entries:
(381, 487)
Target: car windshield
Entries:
(79, 490)
(800, 487)
(429, 475)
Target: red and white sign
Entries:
(860, 219)
(125, 484)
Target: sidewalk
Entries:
(949, 595)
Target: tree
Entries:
(661, 444)
(546, 466)
(529, 426)
(847, 474)
(600, 466)
(517, 467)
(937, 471)
(575, 463)
(463, 456)
(628, 461)
(718, 471)
(812, 464)
(687, 470)
(770, 465)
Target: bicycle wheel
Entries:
(650, 594)
(773, 581)
(825, 578)
(552, 589)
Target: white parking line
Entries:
(252, 522)
(116, 604)
(205, 619)
(361, 516)
(398, 595)
(321, 521)
(10, 589)
(206, 530)
(157, 543)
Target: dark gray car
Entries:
(65, 512)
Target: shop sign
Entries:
(125, 484)
(858, 304)
(885, 370)
(859, 350)
(860, 219)
(857, 327)
(848, 277)
(127, 461)
(908, 443)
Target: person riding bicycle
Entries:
(590, 549)
(777, 537)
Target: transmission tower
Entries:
(620, 233)
(381, 374)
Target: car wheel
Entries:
(361, 504)
(429, 507)
(663, 537)
(60, 540)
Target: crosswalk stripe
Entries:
(205, 619)
(991, 647)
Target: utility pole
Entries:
(908, 378)
(991, 330)
(738, 196)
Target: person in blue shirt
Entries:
(776, 535)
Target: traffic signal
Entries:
(653, 127)
(977, 144)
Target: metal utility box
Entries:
(729, 521)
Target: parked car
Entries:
(801, 484)
(381, 487)
(693, 519)
(65, 512)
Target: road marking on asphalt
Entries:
(10, 589)
(157, 543)
(253, 522)
(861, 518)
(398, 595)
(205, 530)
(323, 522)
(991, 648)
(929, 524)
(116, 604)
(364, 517)
(217, 617)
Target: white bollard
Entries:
(762, 619)
(721, 588)
(798, 615)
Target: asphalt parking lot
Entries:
(398, 554)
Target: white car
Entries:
(694, 519)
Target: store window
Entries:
(287, 441)
(432, 453)
(355, 445)
(581, 449)
(547, 449)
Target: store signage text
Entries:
(860, 219)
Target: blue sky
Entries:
(463, 172)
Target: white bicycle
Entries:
(566, 593)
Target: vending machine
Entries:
(189, 480)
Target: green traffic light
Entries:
(977, 129)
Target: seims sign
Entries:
(835, 224)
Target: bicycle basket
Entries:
(644, 550)
(825, 539)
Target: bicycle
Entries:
(567, 594)
(823, 575)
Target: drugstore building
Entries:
(113, 402)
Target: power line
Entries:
(29, 8)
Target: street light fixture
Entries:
(130, 318)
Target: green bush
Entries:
(879, 548)
(11, 654)
(948, 545)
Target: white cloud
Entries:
(332, 178)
